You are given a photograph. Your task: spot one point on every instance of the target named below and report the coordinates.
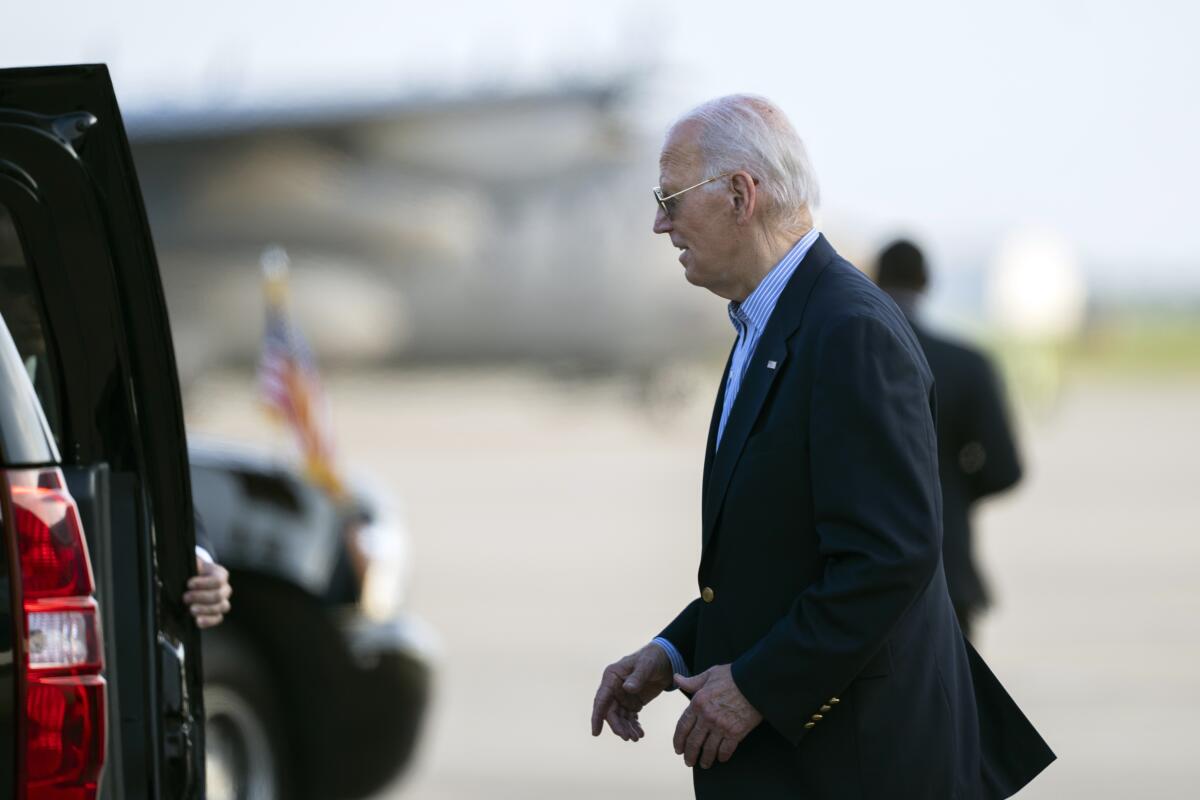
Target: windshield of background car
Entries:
(21, 307)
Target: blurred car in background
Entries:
(316, 684)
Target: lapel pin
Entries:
(772, 364)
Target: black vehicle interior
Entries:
(21, 308)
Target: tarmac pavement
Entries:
(556, 527)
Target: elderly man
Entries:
(822, 657)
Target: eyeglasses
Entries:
(662, 201)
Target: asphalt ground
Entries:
(556, 527)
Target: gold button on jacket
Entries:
(707, 594)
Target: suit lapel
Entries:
(772, 347)
(711, 449)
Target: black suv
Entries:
(100, 662)
(96, 498)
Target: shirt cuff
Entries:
(678, 665)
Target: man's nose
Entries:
(662, 222)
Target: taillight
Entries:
(61, 742)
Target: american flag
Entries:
(288, 382)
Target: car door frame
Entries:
(67, 176)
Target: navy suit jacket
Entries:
(821, 574)
(977, 453)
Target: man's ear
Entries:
(744, 189)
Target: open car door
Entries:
(82, 296)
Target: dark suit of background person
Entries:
(977, 454)
(821, 574)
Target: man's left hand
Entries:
(716, 721)
(208, 593)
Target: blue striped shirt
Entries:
(749, 319)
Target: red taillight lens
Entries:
(54, 558)
(62, 692)
(64, 738)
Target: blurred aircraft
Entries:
(500, 226)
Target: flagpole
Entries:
(289, 384)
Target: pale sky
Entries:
(958, 122)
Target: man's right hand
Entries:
(626, 687)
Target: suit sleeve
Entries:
(998, 466)
(682, 632)
(202, 540)
(873, 460)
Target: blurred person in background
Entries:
(977, 453)
(822, 658)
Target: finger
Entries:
(636, 724)
(208, 583)
(725, 752)
(204, 582)
(209, 609)
(615, 723)
(209, 621)
(604, 700)
(693, 684)
(642, 669)
(204, 598)
(619, 724)
(695, 741)
(600, 708)
(632, 727)
(712, 746)
(683, 729)
(206, 568)
(631, 720)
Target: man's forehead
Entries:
(681, 148)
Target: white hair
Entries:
(748, 132)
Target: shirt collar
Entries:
(756, 309)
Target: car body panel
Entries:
(261, 516)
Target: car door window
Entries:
(22, 309)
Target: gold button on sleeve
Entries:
(826, 708)
(810, 725)
(833, 701)
(817, 717)
(707, 594)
